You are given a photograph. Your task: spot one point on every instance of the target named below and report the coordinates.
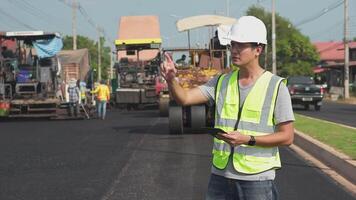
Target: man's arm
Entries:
(283, 137)
(181, 96)
(186, 97)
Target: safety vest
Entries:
(103, 92)
(254, 118)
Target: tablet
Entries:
(212, 131)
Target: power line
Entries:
(91, 22)
(19, 5)
(5, 21)
(69, 5)
(89, 19)
(16, 20)
(33, 11)
(328, 29)
(321, 13)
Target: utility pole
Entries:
(274, 59)
(74, 24)
(227, 8)
(99, 53)
(346, 48)
(111, 63)
(188, 39)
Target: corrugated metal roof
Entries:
(332, 50)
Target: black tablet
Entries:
(211, 131)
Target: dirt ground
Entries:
(351, 100)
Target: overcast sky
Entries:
(55, 15)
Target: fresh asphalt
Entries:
(130, 155)
(332, 111)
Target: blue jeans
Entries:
(102, 109)
(221, 188)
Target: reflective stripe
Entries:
(225, 147)
(245, 125)
(268, 100)
(256, 119)
(250, 126)
(256, 151)
(222, 93)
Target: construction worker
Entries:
(83, 92)
(103, 97)
(252, 107)
(74, 97)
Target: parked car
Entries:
(305, 92)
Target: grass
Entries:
(341, 138)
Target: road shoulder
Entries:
(337, 165)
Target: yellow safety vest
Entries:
(255, 118)
(103, 92)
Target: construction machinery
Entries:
(30, 77)
(138, 59)
(31, 83)
(201, 66)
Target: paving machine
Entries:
(138, 60)
(28, 81)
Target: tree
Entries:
(92, 46)
(296, 55)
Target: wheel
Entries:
(175, 119)
(198, 116)
(306, 106)
(163, 107)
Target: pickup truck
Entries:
(305, 92)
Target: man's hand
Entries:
(234, 138)
(168, 70)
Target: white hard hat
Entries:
(248, 29)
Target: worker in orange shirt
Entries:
(103, 97)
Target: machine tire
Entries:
(198, 116)
(163, 107)
(175, 120)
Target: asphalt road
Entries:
(128, 156)
(331, 111)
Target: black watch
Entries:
(252, 141)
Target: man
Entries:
(103, 97)
(253, 107)
(181, 61)
(74, 97)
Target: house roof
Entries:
(352, 45)
(332, 50)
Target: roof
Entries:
(139, 27)
(352, 45)
(203, 20)
(332, 50)
(72, 56)
(28, 35)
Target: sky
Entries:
(56, 16)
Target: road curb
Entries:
(337, 161)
